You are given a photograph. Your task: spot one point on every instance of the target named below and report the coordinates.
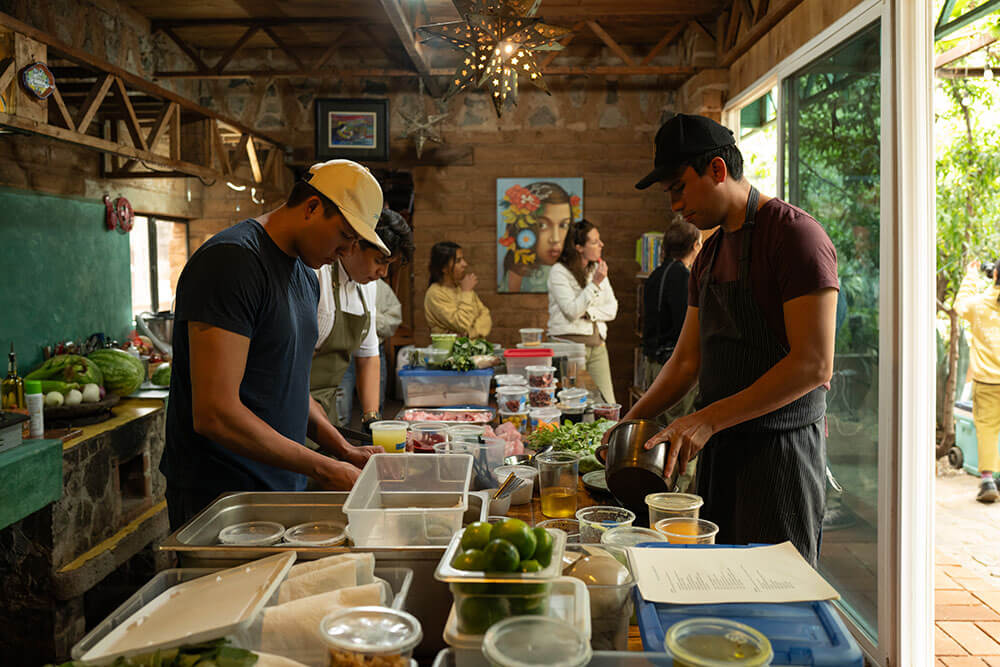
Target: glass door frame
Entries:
(906, 314)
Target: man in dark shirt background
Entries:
(758, 337)
(239, 408)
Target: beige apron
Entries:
(334, 355)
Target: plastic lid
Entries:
(629, 536)
(508, 379)
(674, 502)
(717, 642)
(252, 533)
(540, 369)
(372, 630)
(32, 386)
(545, 413)
(316, 534)
(573, 394)
(527, 352)
(535, 640)
(512, 389)
(389, 425)
(531, 330)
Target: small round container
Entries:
(512, 398)
(422, 436)
(519, 419)
(685, 530)
(521, 641)
(499, 506)
(716, 642)
(363, 635)
(672, 505)
(390, 435)
(523, 494)
(316, 534)
(465, 433)
(541, 376)
(435, 357)
(455, 447)
(443, 341)
(531, 336)
(629, 536)
(598, 519)
(507, 380)
(542, 397)
(252, 534)
(569, 526)
(610, 411)
(544, 417)
(573, 399)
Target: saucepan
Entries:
(632, 472)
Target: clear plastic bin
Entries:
(370, 635)
(430, 388)
(422, 436)
(409, 499)
(531, 337)
(518, 359)
(519, 642)
(448, 658)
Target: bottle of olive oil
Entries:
(12, 387)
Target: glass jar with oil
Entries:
(716, 642)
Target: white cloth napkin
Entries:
(364, 562)
(315, 582)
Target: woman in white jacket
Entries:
(581, 301)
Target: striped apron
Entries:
(763, 480)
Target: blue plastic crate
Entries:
(430, 388)
(801, 633)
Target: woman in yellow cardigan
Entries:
(450, 304)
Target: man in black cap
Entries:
(758, 336)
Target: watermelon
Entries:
(70, 368)
(161, 375)
(123, 373)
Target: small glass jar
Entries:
(370, 635)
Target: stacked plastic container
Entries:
(519, 359)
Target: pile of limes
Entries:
(510, 546)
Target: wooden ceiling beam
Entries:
(61, 106)
(186, 48)
(93, 101)
(131, 122)
(7, 72)
(235, 48)
(254, 161)
(330, 50)
(552, 70)
(160, 125)
(775, 10)
(664, 42)
(547, 60)
(615, 47)
(280, 43)
(414, 50)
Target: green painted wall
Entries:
(62, 275)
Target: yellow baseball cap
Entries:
(356, 193)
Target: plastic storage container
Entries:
(707, 642)
(370, 635)
(630, 536)
(519, 419)
(541, 376)
(519, 642)
(598, 519)
(409, 499)
(569, 526)
(610, 411)
(512, 398)
(548, 416)
(542, 397)
(671, 505)
(568, 602)
(390, 435)
(573, 399)
(801, 633)
(465, 433)
(509, 379)
(519, 359)
(443, 341)
(527, 473)
(611, 598)
(422, 436)
(427, 388)
(531, 337)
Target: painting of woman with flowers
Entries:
(533, 217)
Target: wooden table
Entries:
(531, 513)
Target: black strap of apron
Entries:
(748, 223)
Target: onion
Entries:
(73, 397)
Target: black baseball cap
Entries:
(681, 138)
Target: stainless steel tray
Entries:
(486, 414)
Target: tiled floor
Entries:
(966, 575)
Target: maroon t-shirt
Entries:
(790, 256)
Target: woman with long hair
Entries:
(538, 217)
(581, 301)
(450, 304)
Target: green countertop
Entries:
(30, 478)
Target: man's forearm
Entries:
(369, 378)
(322, 432)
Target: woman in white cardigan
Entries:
(581, 301)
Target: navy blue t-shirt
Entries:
(241, 281)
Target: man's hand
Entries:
(601, 272)
(337, 476)
(685, 437)
(358, 456)
(469, 282)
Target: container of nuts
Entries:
(370, 637)
(541, 376)
(512, 398)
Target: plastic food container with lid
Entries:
(422, 436)
(465, 433)
(531, 337)
(512, 398)
(523, 641)
(518, 359)
(630, 536)
(545, 416)
(573, 399)
(252, 534)
(542, 397)
(316, 534)
(508, 379)
(370, 635)
(671, 505)
(610, 411)
(569, 526)
(541, 376)
(598, 519)
(443, 341)
(716, 642)
(518, 419)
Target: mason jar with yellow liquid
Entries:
(716, 642)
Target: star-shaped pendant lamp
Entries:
(497, 38)
(420, 125)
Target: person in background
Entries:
(245, 328)
(581, 301)
(347, 314)
(665, 300)
(450, 304)
(981, 309)
(388, 316)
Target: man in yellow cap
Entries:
(245, 328)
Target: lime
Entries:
(476, 535)
(517, 533)
(503, 556)
(529, 605)
(477, 614)
(530, 566)
(471, 559)
(543, 551)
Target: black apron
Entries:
(763, 480)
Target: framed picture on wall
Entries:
(533, 218)
(356, 129)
